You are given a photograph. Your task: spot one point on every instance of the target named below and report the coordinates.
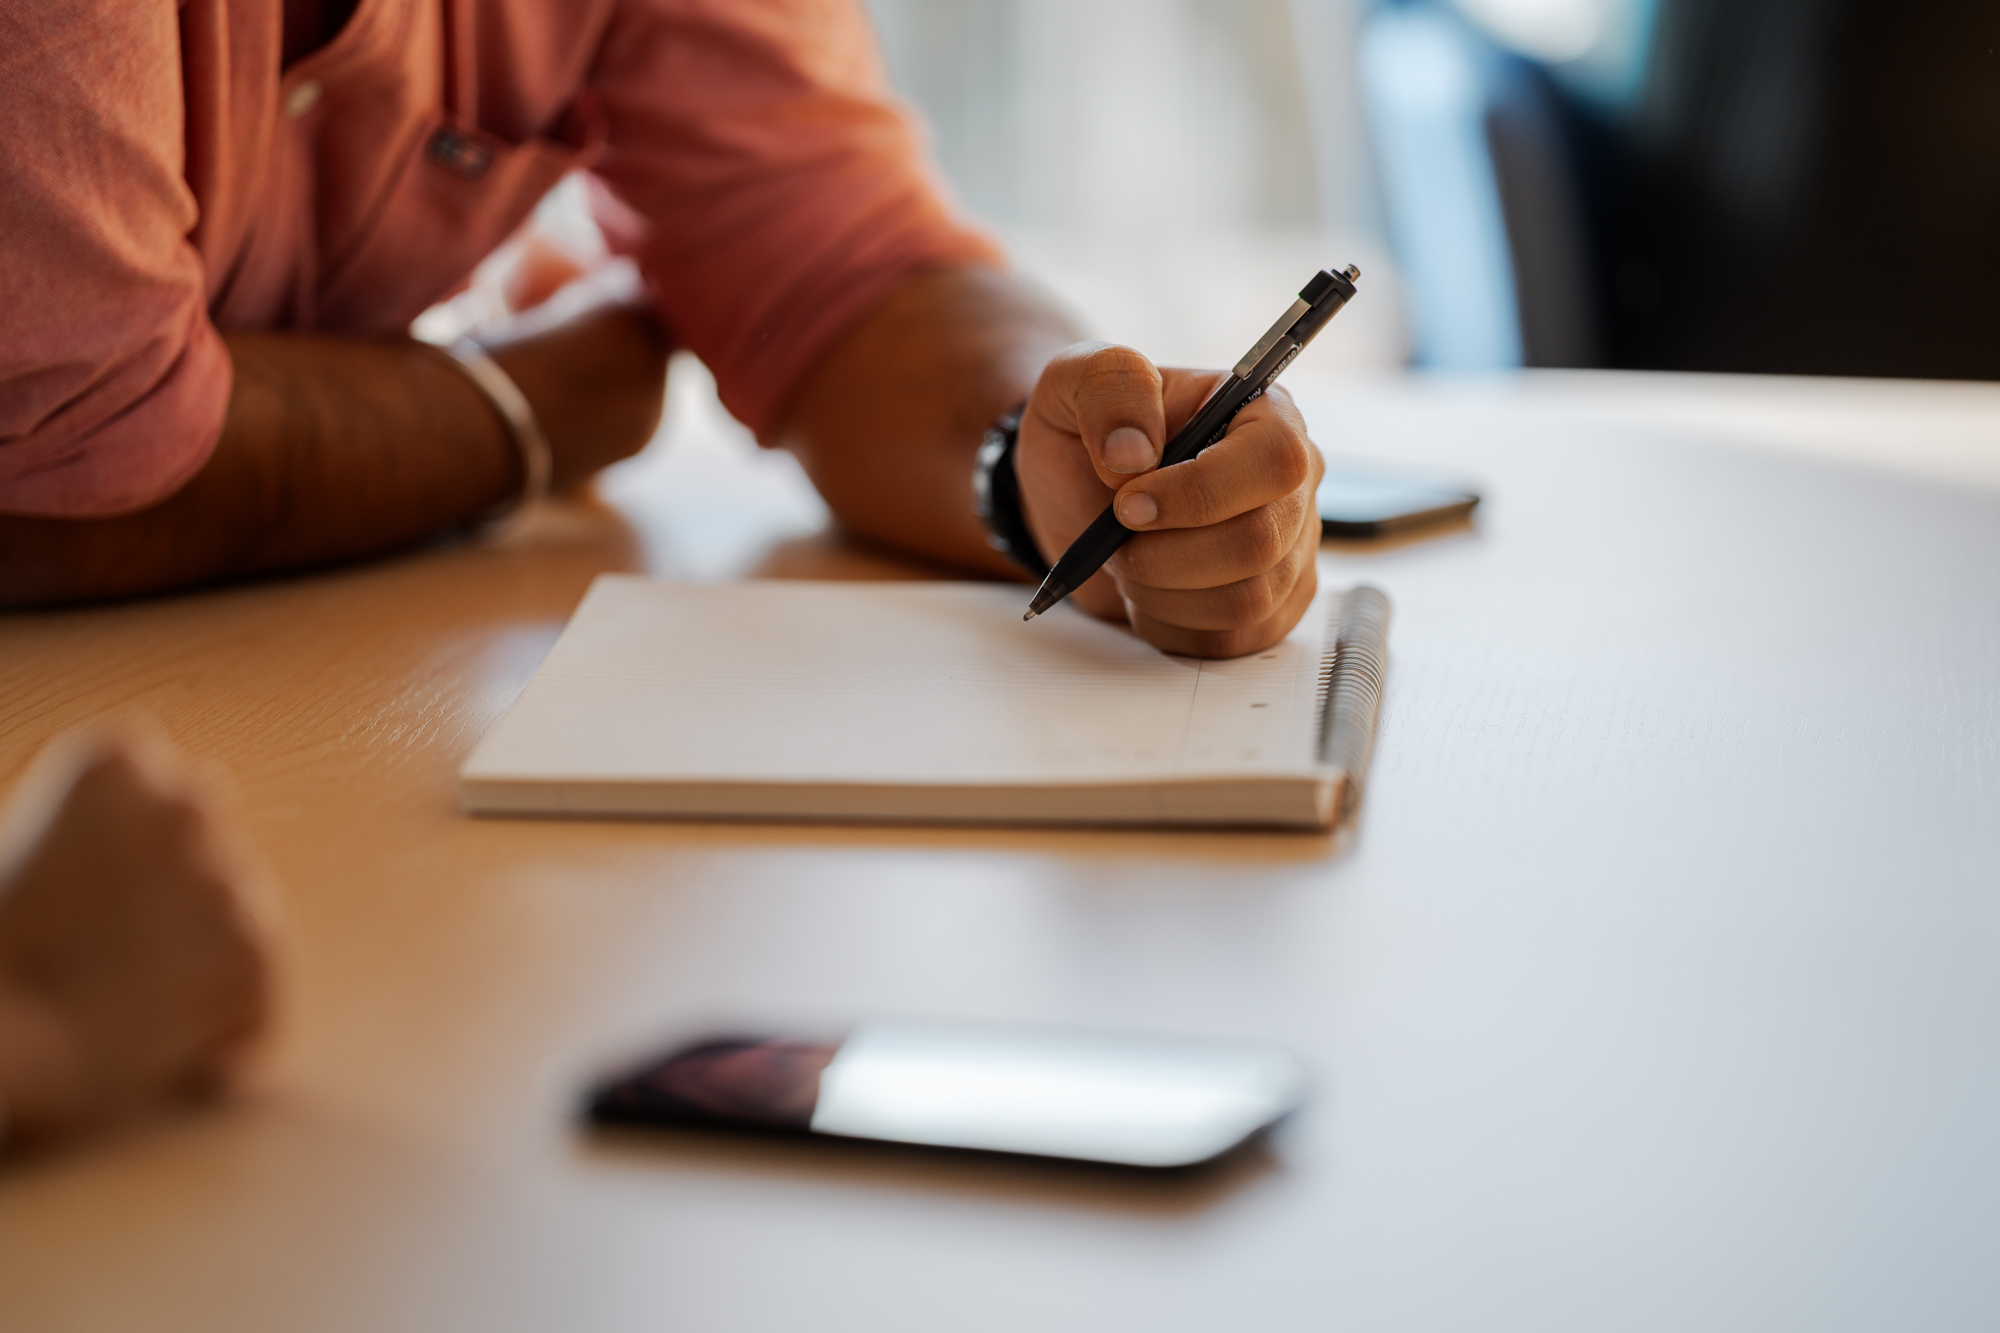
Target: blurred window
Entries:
(1173, 169)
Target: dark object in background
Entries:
(1795, 187)
(1806, 186)
(1373, 502)
(1127, 1099)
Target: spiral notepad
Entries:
(927, 702)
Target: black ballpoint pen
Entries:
(1319, 302)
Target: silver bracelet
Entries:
(507, 399)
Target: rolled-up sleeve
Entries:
(113, 382)
(767, 181)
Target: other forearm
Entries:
(332, 448)
(336, 448)
(888, 423)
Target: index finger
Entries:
(1264, 457)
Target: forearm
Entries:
(888, 423)
(332, 448)
(336, 448)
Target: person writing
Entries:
(218, 219)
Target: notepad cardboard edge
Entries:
(1297, 801)
(1317, 798)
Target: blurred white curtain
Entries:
(1175, 169)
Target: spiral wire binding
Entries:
(1350, 688)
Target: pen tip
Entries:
(1028, 615)
(1045, 597)
(1353, 272)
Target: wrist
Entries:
(597, 383)
(517, 415)
(996, 489)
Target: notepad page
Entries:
(775, 681)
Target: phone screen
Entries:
(724, 1081)
(1108, 1097)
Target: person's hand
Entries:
(1222, 563)
(597, 382)
(131, 975)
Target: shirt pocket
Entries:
(458, 194)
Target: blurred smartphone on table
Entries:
(1361, 500)
(1129, 1099)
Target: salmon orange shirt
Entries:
(163, 177)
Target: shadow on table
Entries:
(1005, 1177)
(831, 554)
(1454, 531)
(1219, 847)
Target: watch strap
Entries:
(996, 490)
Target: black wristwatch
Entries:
(996, 492)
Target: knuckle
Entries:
(1204, 496)
(1291, 461)
(1240, 602)
(1071, 369)
(1223, 643)
(1142, 562)
(1115, 360)
(1119, 372)
(1286, 412)
(1171, 637)
(1072, 356)
(1249, 638)
(1266, 542)
(1251, 601)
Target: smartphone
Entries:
(1130, 1099)
(1361, 501)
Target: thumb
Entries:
(1115, 399)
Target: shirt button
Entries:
(302, 98)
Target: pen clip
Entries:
(1264, 380)
(1268, 341)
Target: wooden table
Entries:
(1657, 986)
